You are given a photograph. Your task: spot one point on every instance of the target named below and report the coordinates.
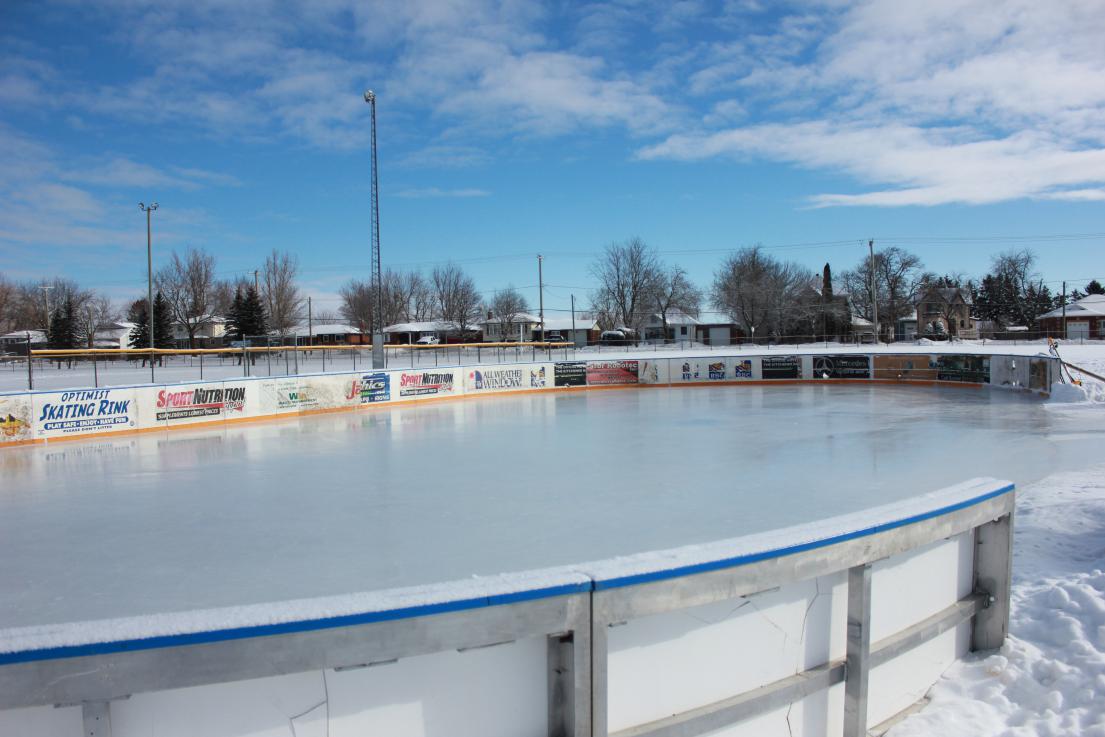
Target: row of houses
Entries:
(938, 313)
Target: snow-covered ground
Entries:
(48, 375)
(1049, 677)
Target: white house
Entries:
(114, 335)
(586, 329)
(520, 327)
(410, 332)
(681, 326)
(209, 328)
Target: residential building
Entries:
(946, 312)
(521, 327)
(410, 332)
(1085, 319)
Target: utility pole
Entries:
(256, 285)
(874, 291)
(46, 295)
(377, 276)
(149, 278)
(573, 318)
(1064, 310)
(541, 298)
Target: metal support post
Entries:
(30, 366)
(96, 716)
(95, 372)
(993, 575)
(599, 690)
(569, 691)
(268, 355)
(858, 651)
(201, 367)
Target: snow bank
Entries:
(1049, 677)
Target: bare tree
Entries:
(188, 287)
(674, 291)
(456, 296)
(357, 304)
(278, 288)
(757, 291)
(628, 274)
(506, 306)
(97, 313)
(8, 299)
(419, 297)
(898, 274)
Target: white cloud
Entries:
(929, 103)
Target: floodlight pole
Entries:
(377, 277)
(149, 278)
(874, 291)
(541, 297)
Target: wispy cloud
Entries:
(923, 104)
(432, 192)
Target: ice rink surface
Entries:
(412, 495)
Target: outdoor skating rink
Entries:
(419, 494)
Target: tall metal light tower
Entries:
(148, 209)
(377, 276)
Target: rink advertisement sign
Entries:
(781, 367)
(84, 411)
(483, 380)
(425, 383)
(841, 367)
(570, 373)
(650, 371)
(197, 403)
(370, 388)
(904, 367)
(742, 369)
(15, 419)
(973, 369)
(612, 373)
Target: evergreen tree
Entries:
(1094, 287)
(162, 324)
(140, 316)
(252, 321)
(62, 333)
(234, 317)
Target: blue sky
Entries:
(507, 129)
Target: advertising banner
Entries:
(84, 411)
(612, 373)
(710, 369)
(368, 388)
(781, 367)
(507, 378)
(424, 384)
(16, 419)
(279, 396)
(905, 367)
(184, 404)
(841, 367)
(975, 369)
(653, 371)
(570, 373)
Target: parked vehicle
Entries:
(554, 338)
(612, 337)
(427, 340)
